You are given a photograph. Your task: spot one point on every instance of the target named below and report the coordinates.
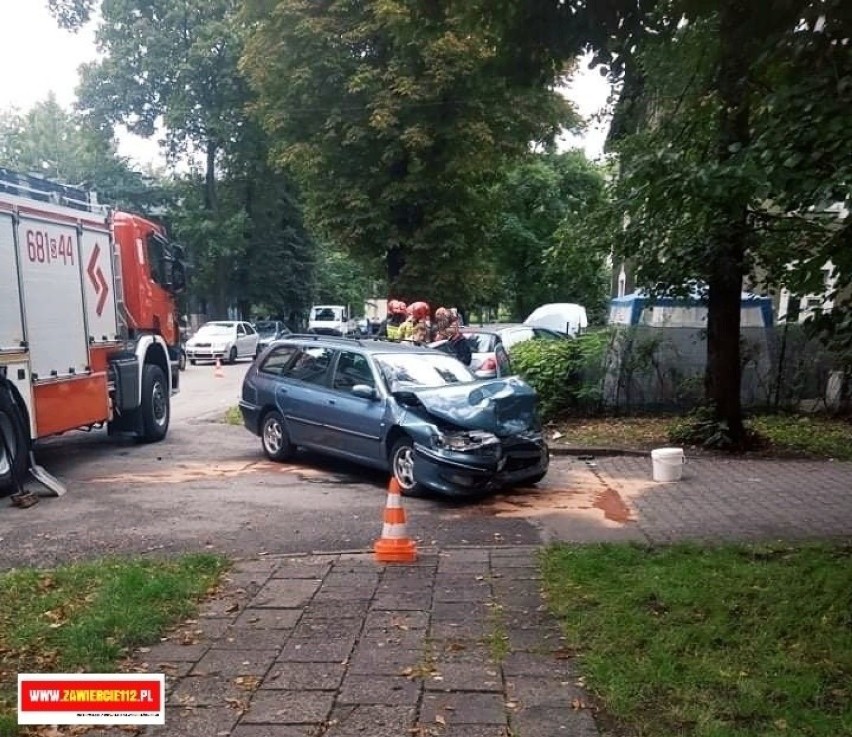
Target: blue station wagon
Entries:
(416, 412)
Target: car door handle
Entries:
(332, 401)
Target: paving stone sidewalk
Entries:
(726, 499)
(457, 645)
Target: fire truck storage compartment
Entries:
(125, 374)
(49, 259)
(11, 321)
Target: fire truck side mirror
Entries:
(178, 276)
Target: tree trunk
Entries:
(395, 260)
(211, 201)
(724, 370)
(220, 300)
(724, 375)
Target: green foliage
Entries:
(540, 250)
(342, 279)
(171, 61)
(176, 66)
(565, 373)
(87, 616)
(703, 428)
(66, 147)
(233, 416)
(397, 117)
(72, 14)
(731, 132)
(810, 435)
(737, 641)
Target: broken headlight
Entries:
(474, 441)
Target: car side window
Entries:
(310, 365)
(249, 329)
(277, 361)
(241, 330)
(352, 369)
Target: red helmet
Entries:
(396, 307)
(420, 311)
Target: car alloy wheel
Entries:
(402, 464)
(274, 438)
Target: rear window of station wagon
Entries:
(300, 363)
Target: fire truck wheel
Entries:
(155, 403)
(13, 452)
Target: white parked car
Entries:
(562, 317)
(227, 340)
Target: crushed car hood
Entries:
(500, 406)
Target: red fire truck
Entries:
(89, 334)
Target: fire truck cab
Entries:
(89, 334)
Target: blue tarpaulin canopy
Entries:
(639, 308)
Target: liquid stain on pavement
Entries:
(188, 472)
(578, 490)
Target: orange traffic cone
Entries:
(394, 546)
(217, 372)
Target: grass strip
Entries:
(784, 435)
(733, 641)
(86, 617)
(233, 416)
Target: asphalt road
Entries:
(207, 486)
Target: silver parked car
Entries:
(226, 340)
(268, 331)
(489, 357)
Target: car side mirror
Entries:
(365, 391)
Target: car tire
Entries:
(274, 438)
(13, 465)
(535, 479)
(232, 355)
(155, 408)
(182, 361)
(402, 467)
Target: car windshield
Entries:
(216, 328)
(401, 370)
(266, 328)
(326, 314)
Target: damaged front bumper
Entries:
(520, 460)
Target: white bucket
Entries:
(667, 464)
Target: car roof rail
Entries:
(319, 338)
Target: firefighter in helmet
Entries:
(416, 327)
(396, 316)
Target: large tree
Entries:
(732, 134)
(172, 67)
(397, 116)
